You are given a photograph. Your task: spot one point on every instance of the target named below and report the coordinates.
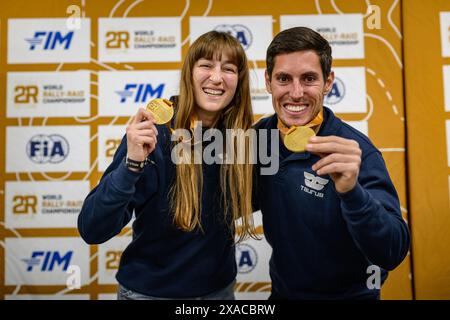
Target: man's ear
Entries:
(328, 83)
(266, 77)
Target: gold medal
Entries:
(297, 138)
(161, 109)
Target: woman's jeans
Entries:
(226, 293)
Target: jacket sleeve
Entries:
(261, 123)
(373, 217)
(109, 206)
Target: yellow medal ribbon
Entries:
(192, 126)
(296, 138)
(193, 119)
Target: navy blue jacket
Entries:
(323, 242)
(161, 260)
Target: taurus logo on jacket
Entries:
(313, 182)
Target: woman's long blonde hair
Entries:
(236, 178)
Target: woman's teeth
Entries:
(213, 92)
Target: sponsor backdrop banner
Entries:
(73, 72)
(427, 74)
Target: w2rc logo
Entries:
(52, 148)
(26, 94)
(118, 40)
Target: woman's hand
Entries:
(141, 135)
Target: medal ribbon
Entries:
(313, 123)
(193, 124)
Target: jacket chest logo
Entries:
(313, 184)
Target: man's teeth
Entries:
(213, 92)
(295, 108)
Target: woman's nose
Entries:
(216, 75)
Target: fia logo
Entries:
(52, 148)
(142, 92)
(246, 258)
(239, 31)
(51, 40)
(337, 92)
(48, 260)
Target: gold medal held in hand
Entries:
(161, 109)
(297, 138)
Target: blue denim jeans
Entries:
(226, 293)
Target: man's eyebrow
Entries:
(286, 73)
(310, 73)
(281, 73)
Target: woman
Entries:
(183, 235)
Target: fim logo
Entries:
(141, 92)
(246, 258)
(313, 184)
(52, 148)
(50, 39)
(48, 260)
(337, 92)
(239, 31)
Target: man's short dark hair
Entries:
(299, 39)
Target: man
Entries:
(331, 212)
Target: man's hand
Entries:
(141, 135)
(340, 158)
